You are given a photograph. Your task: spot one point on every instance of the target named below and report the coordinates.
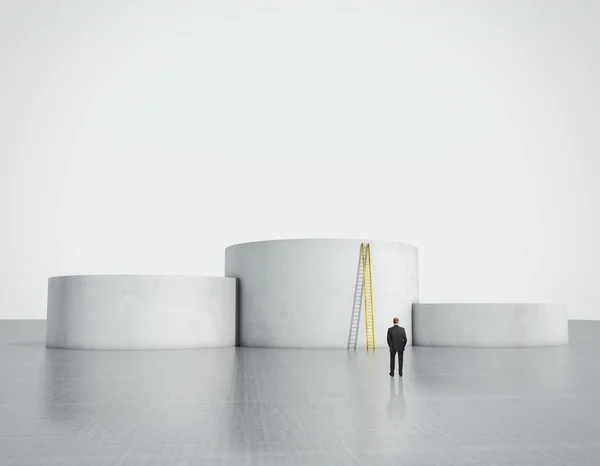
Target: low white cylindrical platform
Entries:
(300, 293)
(490, 325)
(140, 312)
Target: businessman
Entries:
(397, 340)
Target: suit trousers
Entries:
(393, 353)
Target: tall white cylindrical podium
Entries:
(300, 293)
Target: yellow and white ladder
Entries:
(363, 294)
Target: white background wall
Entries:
(144, 137)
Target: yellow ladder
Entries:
(368, 295)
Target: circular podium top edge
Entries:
(354, 240)
(141, 275)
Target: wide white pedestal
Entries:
(490, 325)
(300, 293)
(138, 312)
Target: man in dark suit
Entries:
(397, 340)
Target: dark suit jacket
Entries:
(396, 338)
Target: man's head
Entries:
(396, 320)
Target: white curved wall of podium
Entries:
(140, 312)
(300, 293)
(490, 325)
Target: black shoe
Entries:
(392, 374)
(400, 374)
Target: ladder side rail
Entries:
(366, 298)
(371, 295)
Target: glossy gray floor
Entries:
(292, 407)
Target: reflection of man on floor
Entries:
(396, 408)
(397, 340)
